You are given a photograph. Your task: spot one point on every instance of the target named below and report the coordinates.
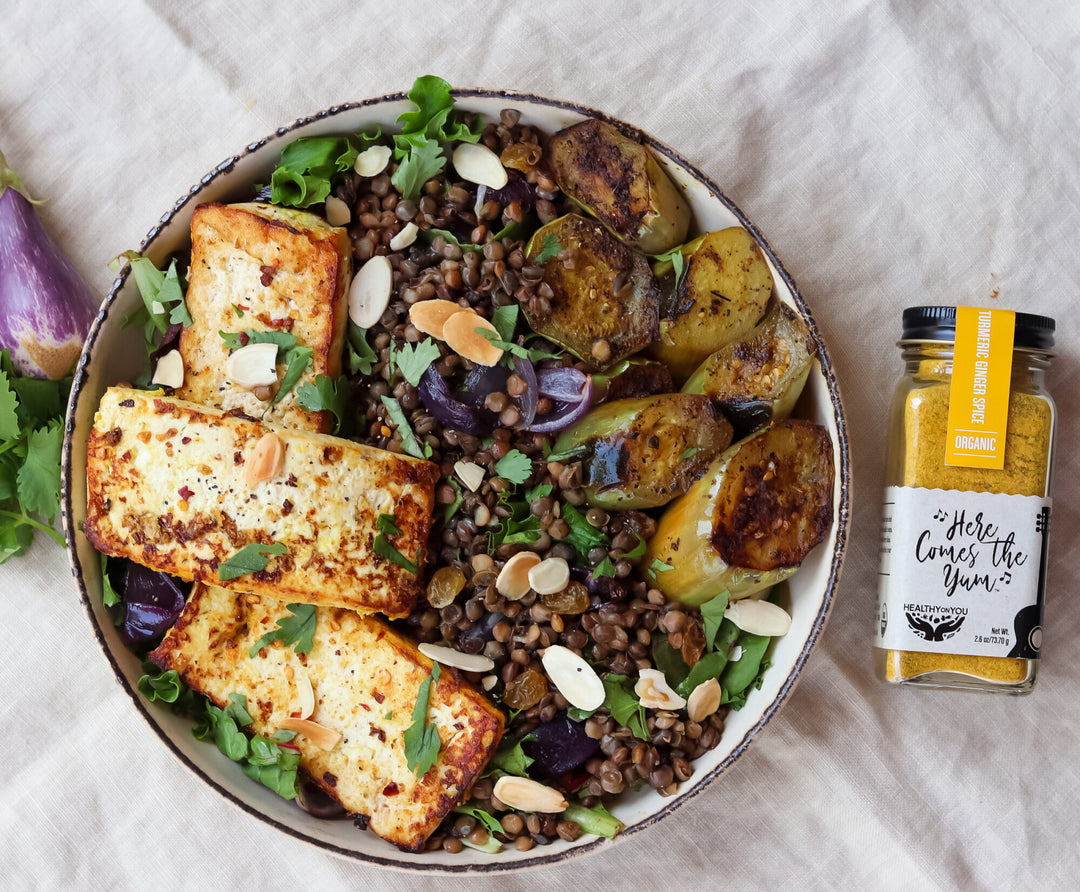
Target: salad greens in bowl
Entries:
(456, 480)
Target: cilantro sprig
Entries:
(325, 394)
(31, 434)
(252, 558)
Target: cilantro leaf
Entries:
(637, 551)
(252, 558)
(505, 321)
(623, 704)
(413, 360)
(657, 566)
(297, 360)
(9, 419)
(533, 354)
(515, 467)
(296, 629)
(325, 395)
(361, 357)
(39, 477)
(420, 738)
(408, 439)
(606, 567)
(583, 536)
(550, 249)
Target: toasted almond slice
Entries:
(324, 738)
(253, 366)
(476, 163)
(337, 212)
(306, 695)
(469, 473)
(447, 656)
(265, 460)
(404, 238)
(654, 692)
(370, 291)
(526, 794)
(372, 161)
(704, 700)
(551, 575)
(169, 371)
(513, 580)
(461, 336)
(759, 617)
(576, 680)
(488, 682)
(429, 316)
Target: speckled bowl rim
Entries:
(842, 518)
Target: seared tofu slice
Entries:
(182, 488)
(256, 267)
(365, 678)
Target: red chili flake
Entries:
(244, 339)
(391, 789)
(379, 697)
(267, 275)
(185, 440)
(185, 493)
(377, 732)
(365, 707)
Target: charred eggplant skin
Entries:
(604, 302)
(617, 180)
(757, 381)
(642, 453)
(751, 520)
(721, 297)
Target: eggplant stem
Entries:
(36, 524)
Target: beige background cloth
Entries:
(892, 153)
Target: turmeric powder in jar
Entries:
(967, 504)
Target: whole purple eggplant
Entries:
(45, 306)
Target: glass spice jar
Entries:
(967, 506)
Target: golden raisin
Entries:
(445, 585)
(526, 690)
(572, 599)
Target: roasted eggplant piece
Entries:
(641, 453)
(750, 521)
(604, 302)
(757, 381)
(632, 378)
(621, 183)
(722, 295)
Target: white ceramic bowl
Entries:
(114, 353)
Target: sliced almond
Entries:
(461, 336)
(169, 371)
(654, 692)
(324, 738)
(404, 238)
(759, 617)
(372, 161)
(305, 693)
(469, 473)
(370, 291)
(429, 316)
(704, 700)
(513, 580)
(551, 575)
(525, 794)
(253, 365)
(265, 461)
(576, 680)
(447, 656)
(488, 682)
(337, 212)
(476, 163)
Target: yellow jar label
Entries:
(979, 393)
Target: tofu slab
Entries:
(166, 488)
(264, 268)
(365, 678)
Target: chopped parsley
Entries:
(550, 249)
(325, 395)
(361, 357)
(658, 566)
(413, 360)
(583, 536)
(296, 629)
(515, 467)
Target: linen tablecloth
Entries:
(892, 153)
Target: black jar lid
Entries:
(939, 324)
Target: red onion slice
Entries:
(450, 412)
(566, 385)
(566, 413)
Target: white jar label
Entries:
(962, 572)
